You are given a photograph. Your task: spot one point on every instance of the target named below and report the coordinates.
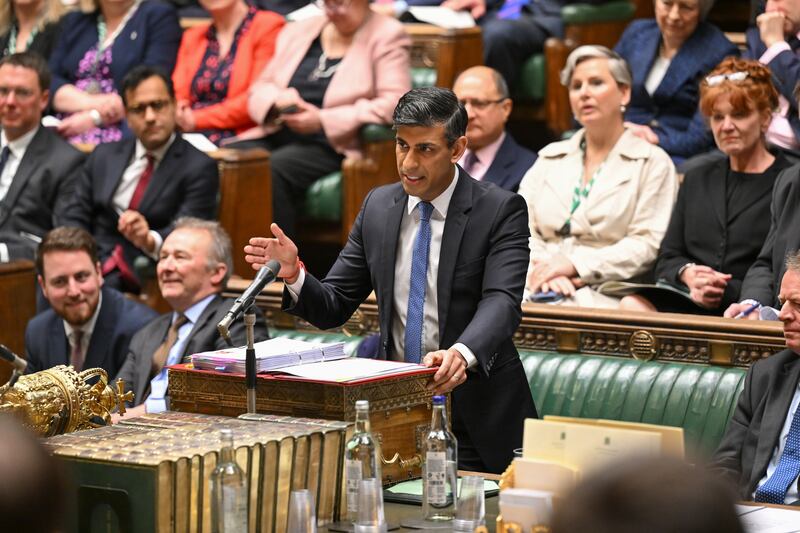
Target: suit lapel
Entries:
(389, 255)
(778, 400)
(167, 167)
(198, 326)
(58, 344)
(35, 155)
(686, 63)
(115, 167)
(454, 225)
(498, 172)
(101, 335)
(716, 191)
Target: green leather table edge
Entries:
(579, 14)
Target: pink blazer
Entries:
(372, 76)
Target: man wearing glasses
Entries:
(492, 153)
(130, 192)
(37, 167)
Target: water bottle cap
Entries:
(362, 404)
(439, 399)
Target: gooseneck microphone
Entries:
(265, 275)
(16, 361)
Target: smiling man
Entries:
(446, 256)
(130, 192)
(193, 267)
(88, 325)
(760, 451)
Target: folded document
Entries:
(272, 354)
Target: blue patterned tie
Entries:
(511, 9)
(774, 490)
(417, 285)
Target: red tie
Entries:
(117, 258)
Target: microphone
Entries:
(265, 275)
(16, 361)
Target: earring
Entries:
(623, 108)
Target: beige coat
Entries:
(617, 229)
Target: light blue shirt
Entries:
(791, 494)
(155, 403)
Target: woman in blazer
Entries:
(216, 64)
(599, 202)
(97, 47)
(329, 76)
(668, 56)
(722, 215)
(29, 26)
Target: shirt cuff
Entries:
(773, 51)
(155, 405)
(297, 286)
(158, 242)
(469, 357)
(3, 253)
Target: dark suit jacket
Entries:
(729, 241)
(763, 279)
(151, 37)
(46, 343)
(41, 188)
(672, 110)
(42, 43)
(204, 337)
(753, 431)
(545, 13)
(785, 69)
(482, 265)
(510, 163)
(185, 183)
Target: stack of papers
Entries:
(352, 369)
(271, 354)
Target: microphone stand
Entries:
(250, 359)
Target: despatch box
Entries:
(151, 473)
(400, 406)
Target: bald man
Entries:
(492, 153)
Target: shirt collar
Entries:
(87, 328)
(441, 202)
(19, 145)
(194, 312)
(487, 154)
(158, 153)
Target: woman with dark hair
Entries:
(728, 198)
(29, 26)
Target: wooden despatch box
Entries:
(400, 406)
(151, 473)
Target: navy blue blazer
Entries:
(46, 343)
(672, 111)
(510, 164)
(785, 69)
(151, 37)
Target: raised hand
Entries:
(262, 249)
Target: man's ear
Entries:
(99, 269)
(40, 279)
(218, 274)
(458, 149)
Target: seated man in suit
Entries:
(131, 191)
(37, 167)
(492, 154)
(88, 325)
(458, 310)
(761, 446)
(193, 267)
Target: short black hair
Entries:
(137, 75)
(33, 61)
(432, 106)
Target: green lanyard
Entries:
(579, 193)
(12, 40)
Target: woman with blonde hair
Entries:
(29, 26)
(599, 202)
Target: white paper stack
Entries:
(271, 355)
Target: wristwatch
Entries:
(683, 268)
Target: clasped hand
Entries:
(134, 227)
(771, 27)
(706, 285)
(554, 274)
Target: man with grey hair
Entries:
(492, 154)
(193, 267)
(760, 449)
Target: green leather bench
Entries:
(698, 398)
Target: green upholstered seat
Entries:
(530, 86)
(700, 399)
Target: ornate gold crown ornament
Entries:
(62, 400)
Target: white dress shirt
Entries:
(791, 494)
(87, 330)
(130, 179)
(16, 151)
(155, 402)
(402, 275)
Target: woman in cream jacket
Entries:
(599, 203)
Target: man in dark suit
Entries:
(131, 191)
(37, 167)
(446, 256)
(492, 154)
(761, 446)
(193, 267)
(87, 325)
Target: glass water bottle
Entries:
(228, 491)
(440, 467)
(362, 461)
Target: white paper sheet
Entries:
(771, 520)
(350, 369)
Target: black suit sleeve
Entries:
(727, 460)
(673, 253)
(78, 211)
(72, 169)
(201, 188)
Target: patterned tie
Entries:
(418, 284)
(116, 261)
(161, 353)
(76, 357)
(774, 490)
(512, 9)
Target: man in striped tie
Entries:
(760, 451)
(446, 256)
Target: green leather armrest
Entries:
(324, 199)
(530, 84)
(586, 14)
